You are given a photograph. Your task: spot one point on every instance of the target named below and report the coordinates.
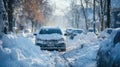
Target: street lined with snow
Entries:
(20, 51)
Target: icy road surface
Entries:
(20, 51)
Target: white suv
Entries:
(50, 38)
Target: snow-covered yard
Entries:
(20, 51)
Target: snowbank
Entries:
(83, 51)
(81, 40)
(19, 51)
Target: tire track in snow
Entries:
(61, 54)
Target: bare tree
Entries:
(94, 21)
(9, 9)
(84, 14)
(101, 15)
(36, 11)
(73, 15)
(2, 17)
(108, 13)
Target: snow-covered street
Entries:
(59, 33)
(20, 51)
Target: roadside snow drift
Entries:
(84, 50)
(19, 51)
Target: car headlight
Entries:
(61, 40)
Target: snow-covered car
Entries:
(68, 32)
(105, 33)
(108, 53)
(71, 33)
(92, 30)
(50, 38)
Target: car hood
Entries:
(49, 36)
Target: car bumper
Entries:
(60, 46)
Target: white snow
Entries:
(49, 36)
(82, 50)
(17, 50)
(0, 42)
(105, 34)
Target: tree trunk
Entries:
(84, 15)
(10, 14)
(108, 14)
(93, 10)
(94, 24)
(101, 15)
(2, 12)
(8, 4)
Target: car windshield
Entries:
(90, 30)
(77, 31)
(50, 31)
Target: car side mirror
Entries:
(65, 34)
(35, 34)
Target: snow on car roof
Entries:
(75, 28)
(49, 27)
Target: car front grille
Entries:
(51, 42)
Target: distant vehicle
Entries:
(92, 30)
(109, 51)
(68, 32)
(71, 33)
(50, 38)
(105, 33)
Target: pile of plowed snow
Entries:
(82, 50)
(19, 51)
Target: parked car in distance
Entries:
(108, 54)
(50, 38)
(92, 30)
(71, 33)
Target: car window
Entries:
(90, 30)
(50, 31)
(77, 31)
